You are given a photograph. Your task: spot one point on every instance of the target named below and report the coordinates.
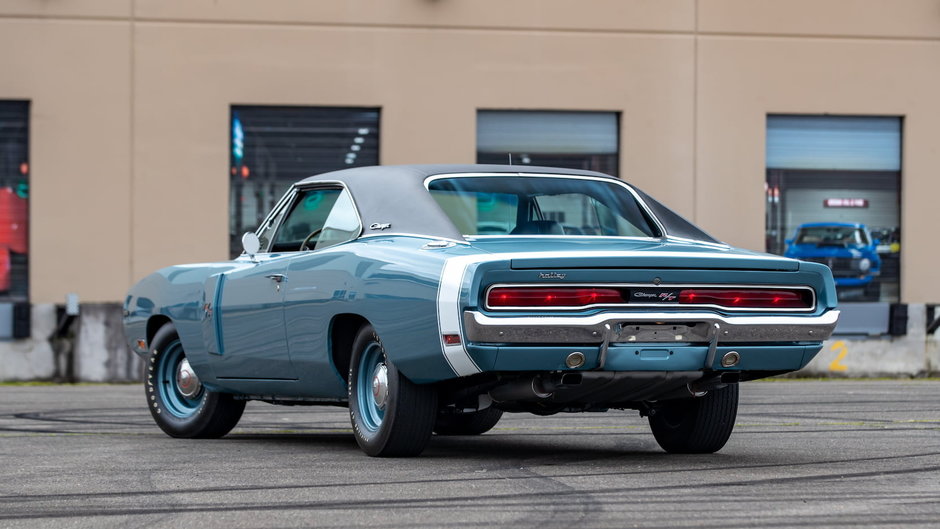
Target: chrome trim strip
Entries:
(547, 284)
(659, 225)
(635, 253)
(696, 241)
(566, 237)
(591, 329)
(415, 235)
(281, 203)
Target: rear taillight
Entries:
(552, 297)
(747, 298)
(576, 297)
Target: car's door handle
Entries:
(276, 277)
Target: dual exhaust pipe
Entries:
(534, 388)
(540, 387)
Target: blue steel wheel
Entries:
(177, 386)
(372, 387)
(391, 416)
(179, 403)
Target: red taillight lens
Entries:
(747, 299)
(551, 297)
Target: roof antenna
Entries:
(510, 157)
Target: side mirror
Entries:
(788, 241)
(251, 244)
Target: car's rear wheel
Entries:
(179, 403)
(472, 423)
(391, 416)
(696, 426)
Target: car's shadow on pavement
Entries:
(559, 449)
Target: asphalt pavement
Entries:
(847, 453)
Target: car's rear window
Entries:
(537, 205)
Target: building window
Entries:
(274, 146)
(14, 200)
(833, 196)
(573, 140)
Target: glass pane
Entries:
(833, 197)
(342, 225)
(306, 220)
(541, 206)
(14, 200)
(479, 213)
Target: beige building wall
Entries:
(130, 103)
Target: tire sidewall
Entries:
(697, 426)
(175, 426)
(371, 441)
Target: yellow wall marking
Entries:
(837, 365)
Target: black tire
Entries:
(397, 424)
(696, 426)
(204, 414)
(473, 423)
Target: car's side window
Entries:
(267, 230)
(342, 224)
(305, 221)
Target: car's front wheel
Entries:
(391, 416)
(179, 403)
(696, 426)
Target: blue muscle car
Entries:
(435, 298)
(848, 249)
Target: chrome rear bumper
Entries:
(673, 327)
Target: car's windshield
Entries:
(832, 236)
(541, 205)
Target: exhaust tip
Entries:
(575, 359)
(730, 359)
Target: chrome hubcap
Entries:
(187, 381)
(380, 386)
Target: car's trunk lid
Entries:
(544, 253)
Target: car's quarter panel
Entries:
(389, 281)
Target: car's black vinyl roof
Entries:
(396, 195)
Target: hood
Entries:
(813, 250)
